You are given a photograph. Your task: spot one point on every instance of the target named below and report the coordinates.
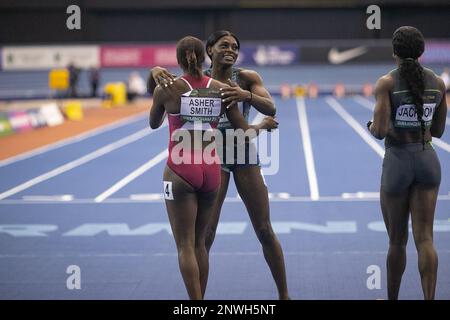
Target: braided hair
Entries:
(408, 44)
(191, 55)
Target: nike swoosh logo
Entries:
(336, 57)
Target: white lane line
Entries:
(147, 196)
(68, 141)
(361, 195)
(174, 254)
(64, 255)
(307, 148)
(78, 162)
(140, 199)
(336, 106)
(62, 197)
(370, 105)
(133, 175)
(366, 103)
(441, 144)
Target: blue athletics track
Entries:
(96, 202)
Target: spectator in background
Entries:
(73, 79)
(136, 86)
(94, 79)
(445, 76)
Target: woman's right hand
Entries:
(162, 77)
(269, 123)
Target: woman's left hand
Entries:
(234, 93)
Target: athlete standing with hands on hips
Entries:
(410, 109)
(246, 89)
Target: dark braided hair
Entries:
(408, 44)
(216, 36)
(191, 55)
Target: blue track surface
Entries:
(124, 247)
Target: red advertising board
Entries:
(138, 56)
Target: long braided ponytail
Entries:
(409, 44)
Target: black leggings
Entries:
(410, 163)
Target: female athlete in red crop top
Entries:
(204, 174)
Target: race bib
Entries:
(406, 115)
(168, 194)
(201, 105)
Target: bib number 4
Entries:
(168, 194)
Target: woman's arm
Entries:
(238, 121)
(440, 115)
(257, 95)
(382, 113)
(237, 118)
(157, 111)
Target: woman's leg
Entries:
(206, 202)
(182, 211)
(253, 191)
(423, 205)
(395, 208)
(215, 213)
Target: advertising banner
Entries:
(49, 57)
(19, 121)
(269, 55)
(138, 56)
(346, 54)
(36, 118)
(251, 54)
(166, 56)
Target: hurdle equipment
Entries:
(116, 94)
(73, 110)
(313, 90)
(339, 90)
